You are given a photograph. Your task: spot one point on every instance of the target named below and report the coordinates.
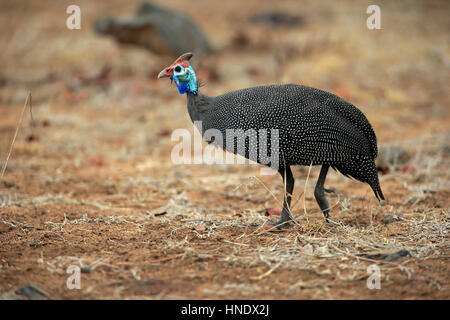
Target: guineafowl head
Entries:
(182, 74)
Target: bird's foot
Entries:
(326, 215)
(281, 224)
(275, 226)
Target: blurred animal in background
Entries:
(158, 29)
(315, 128)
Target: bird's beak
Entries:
(164, 74)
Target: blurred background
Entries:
(397, 75)
(100, 141)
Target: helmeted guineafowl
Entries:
(315, 127)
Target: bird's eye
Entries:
(177, 69)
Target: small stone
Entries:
(85, 269)
(277, 18)
(387, 256)
(33, 292)
(321, 251)
(273, 212)
(200, 228)
(308, 248)
(389, 219)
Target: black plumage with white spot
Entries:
(315, 127)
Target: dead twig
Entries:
(268, 272)
(27, 101)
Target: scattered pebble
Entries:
(276, 18)
(387, 256)
(33, 292)
(273, 212)
(322, 251)
(389, 219)
(85, 269)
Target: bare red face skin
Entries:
(183, 61)
(168, 72)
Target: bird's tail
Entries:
(362, 168)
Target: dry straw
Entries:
(29, 102)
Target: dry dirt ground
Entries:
(91, 183)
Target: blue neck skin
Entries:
(187, 84)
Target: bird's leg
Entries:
(319, 191)
(288, 182)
